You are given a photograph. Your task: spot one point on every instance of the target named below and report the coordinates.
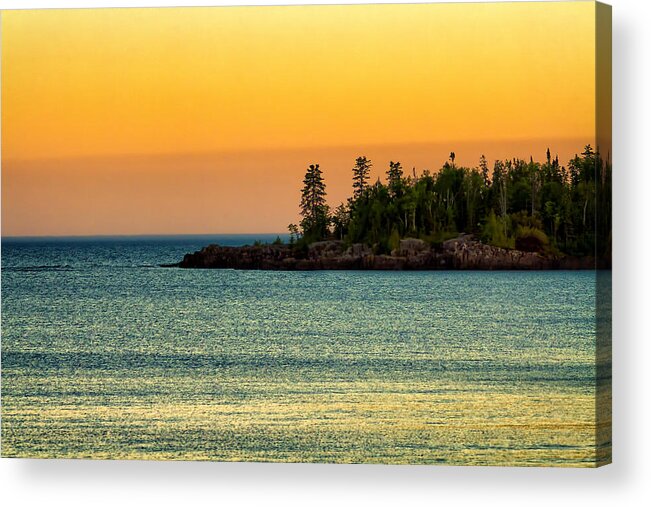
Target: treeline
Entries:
(517, 204)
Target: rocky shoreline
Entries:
(462, 253)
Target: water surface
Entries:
(106, 355)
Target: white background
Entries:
(626, 482)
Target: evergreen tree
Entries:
(360, 176)
(394, 176)
(340, 220)
(524, 204)
(314, 209)
(294, 235)
(483, 167)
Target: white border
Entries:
(626, 482)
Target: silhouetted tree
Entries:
(340, 220)
(314, 209)
(294, 235)
(394, 175)
(361, 172)
(524, 203)
(483, 167)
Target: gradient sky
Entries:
(203, 120)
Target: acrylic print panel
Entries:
(348, 234)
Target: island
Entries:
(523, 216)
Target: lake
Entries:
(106, 355)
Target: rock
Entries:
(325, 249)
(388, 263)
(411, 247)
(359, 250)
(463, 252)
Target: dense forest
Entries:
(524, 205)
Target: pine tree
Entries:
(394, 176)
(340, 221)
(483, 166)
(314, 209)
(519, 201)
(360, 176)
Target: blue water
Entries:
(107, 355)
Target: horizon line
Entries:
(145, 235)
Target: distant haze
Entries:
(203, 120)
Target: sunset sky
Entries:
(203, 120)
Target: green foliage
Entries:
(531, 239)
(361, 173)
(521, 220)
(294, 234)
(340, 220)
(436, 239)
(394, 240)
(539, 206)
(495, 230)
(483, 168)
(395, 179)
(314, 209)
(277, 241)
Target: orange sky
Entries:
(203, 120)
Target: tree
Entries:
(340, 220)
(483, 167)
(472, 186)
(521, 201)
(294, 235)
(499, 186)
(394, 176)
(314, 209)
(360, 176)
(535, 182)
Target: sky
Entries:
(203, 120)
